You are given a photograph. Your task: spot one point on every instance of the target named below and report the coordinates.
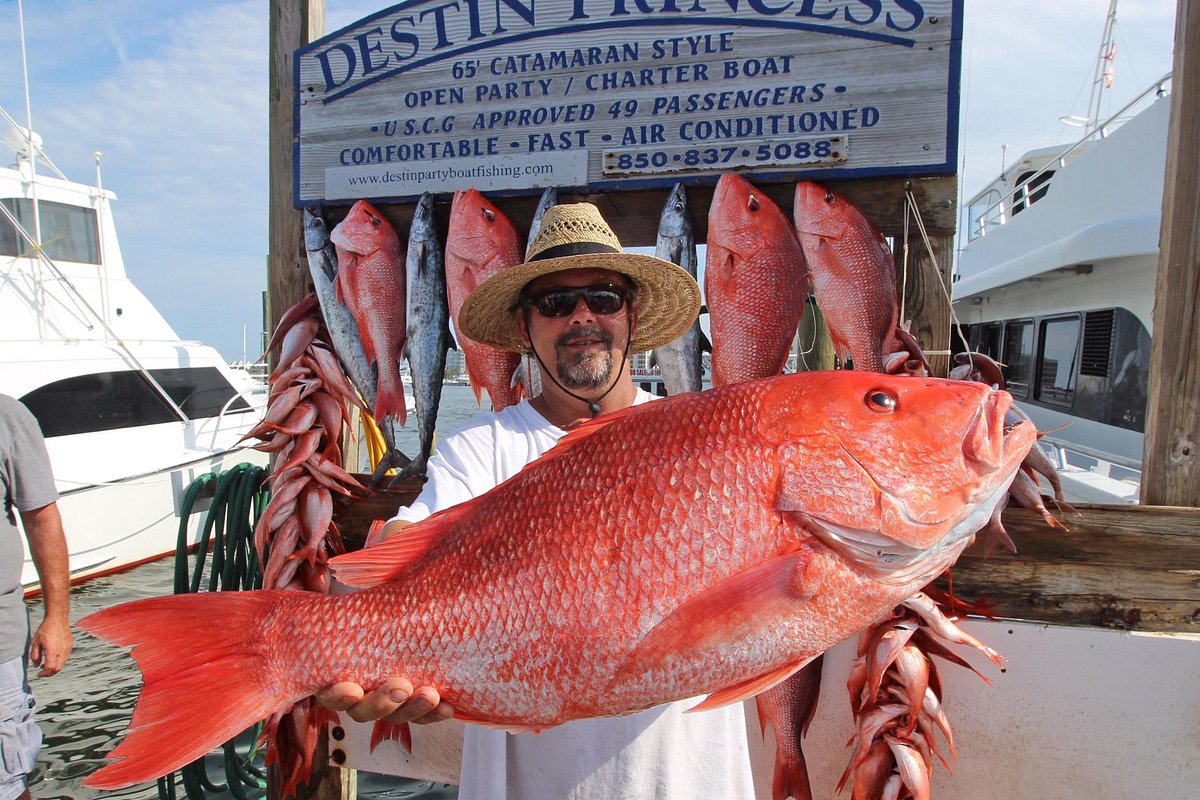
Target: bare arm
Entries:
(52, 641)
(395, 700)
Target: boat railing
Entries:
(1062, 451)
(1033, 187)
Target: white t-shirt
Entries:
(657, 754)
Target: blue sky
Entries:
(174, 95)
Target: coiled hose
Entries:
(225, 554)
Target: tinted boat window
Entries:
(1018, 357)
(1057, 358)
(107, 401)
(69, 232)
(199, 391)
(103, 401)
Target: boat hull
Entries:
(119, 524)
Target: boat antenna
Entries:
(39, 287)
(1103, 77)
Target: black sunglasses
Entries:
(559, 301)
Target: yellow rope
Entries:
(376, 447)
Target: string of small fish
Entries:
(377, 304)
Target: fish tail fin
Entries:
(191, 650)
(390, 401)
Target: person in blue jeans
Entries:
(27, 486)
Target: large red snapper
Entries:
(711, 542)
(755, 283)
(371, 282)
(481, 241)
(853, 274)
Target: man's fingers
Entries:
(423, 700)
(442, 712)
(381, 701)
(340, 696)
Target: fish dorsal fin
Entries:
(385, 561)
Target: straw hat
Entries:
(575, 236)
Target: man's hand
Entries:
(51, 646)
(394, 701)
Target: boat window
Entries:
(984, 212)
(69, 232)
(1018, 357)
(199, 391)
(989, 340)
(1057, 358)
(102, 401)
(1029, 191)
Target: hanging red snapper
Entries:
(853, 275)
(371, 282)
(755, 283)
(481, 242)
(711, 542)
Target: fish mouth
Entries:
(993, 447)
(896, 563)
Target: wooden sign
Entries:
(510, 96)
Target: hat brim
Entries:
(668, 298)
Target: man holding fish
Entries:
(580, 306)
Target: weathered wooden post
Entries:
(1171, 454)
(292, 23)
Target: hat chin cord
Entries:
(593, 405)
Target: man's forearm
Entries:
(48, 549)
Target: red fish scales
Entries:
(657, 553)
(755, 283)
(853, 274)
(481, 241)
(371, 282)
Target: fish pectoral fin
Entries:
(735, 609)
(747, 689)
(385, 561)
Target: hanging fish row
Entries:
(384, 302)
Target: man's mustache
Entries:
(571, 337)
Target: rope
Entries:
(226, 536)
(911, 208)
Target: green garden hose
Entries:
(225, 553)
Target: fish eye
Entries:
(881, 401)
(489, 215)
(829, 198)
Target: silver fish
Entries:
(428, 326)
(679, 361)
(529, 373)
(549, 198)
(343, 330)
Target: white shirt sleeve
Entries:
(490, 450)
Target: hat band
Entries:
(574, 249)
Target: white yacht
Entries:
(1056, 282)
(132, 414)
